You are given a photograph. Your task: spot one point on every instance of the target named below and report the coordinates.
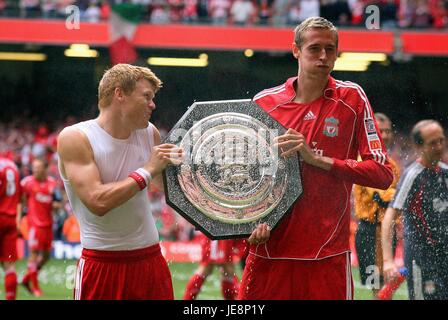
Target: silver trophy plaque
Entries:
(232, 177)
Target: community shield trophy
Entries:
(232, 177)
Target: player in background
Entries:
(329, 123)
(422, 201)
(370, 207)
(41, 197)
(215, 253)
(9, 200)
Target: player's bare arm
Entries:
(293, 141)
(20, 212)
(390, 269)
(79, 167)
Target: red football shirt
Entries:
(339, 125)
(9, 187)
(39, 196)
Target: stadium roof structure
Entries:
(55, 32)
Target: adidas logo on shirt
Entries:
(310, 116)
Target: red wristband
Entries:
(139, 179)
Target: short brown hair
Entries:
(41, 160)
(124, 76)
(311, 23)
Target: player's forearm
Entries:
(19, 211)
(105, 197)
(322, 162)
(387, 234)
(19, 214)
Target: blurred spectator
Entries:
(357, 9)
(294, 12)
(105, 10)
(337, 11)
(280, 9)
(439, 12)
(190, 11)
(176, 10)
(63, 4)
(388, 14)
(48, 9)
(422, 18)
(30, 8)
(406, 13)
(2, 7)
(264, 11)
(242, 12)
(203, 11)
(93, 12)
(219, 11)
(159, 13)
(309, 8)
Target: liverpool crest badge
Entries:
(331, 127)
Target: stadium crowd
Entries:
(277, 13)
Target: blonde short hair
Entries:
(313, 23)
(124, 76)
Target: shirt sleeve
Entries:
(374, 170)
(23, 185)
(388, 195)
(404, 187)
(2, 184)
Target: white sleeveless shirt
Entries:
(131, 225)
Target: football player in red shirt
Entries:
(217, 253)
(329, 123)
(9, 200)
(41, 197)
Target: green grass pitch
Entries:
(57, 281)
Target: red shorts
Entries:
(140, 274)
(272, 279)
(8, 238)
(40, 238)
(217, 251)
